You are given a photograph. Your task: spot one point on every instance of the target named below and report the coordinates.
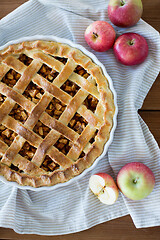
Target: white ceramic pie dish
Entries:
(95, 60)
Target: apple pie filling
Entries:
(91, 103)
(2, 98)
(63, 145)
(55, 108)
(41, 129)
(49, 165)
(25, 59)
(11, 78)
(15, 168)
(48, 73)
(27, 151)
(92, 140)
(70, 87)
(7, 135)
(33, 92)
(78, 123)
(61, 59)
(19, 113)
(81, 71)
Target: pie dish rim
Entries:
(107, 144)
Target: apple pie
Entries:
(56, 112)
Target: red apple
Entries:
(104, 187)
(100, 36)
(125, 13)
(131, 49)
(135, 180)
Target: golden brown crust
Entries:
(99, 121)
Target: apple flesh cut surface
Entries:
(104, 187)
(135, 180)
(125, 13)
(130, 49)
(100, 36)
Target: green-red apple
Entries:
(100, 36)
(135, 180)
(125, 13)
(104, 187)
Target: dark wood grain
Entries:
(152, 119)
(118, 229)
(151, 13)
(121, 228)
(152, 101)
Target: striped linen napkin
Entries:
(74, 208)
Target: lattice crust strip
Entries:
(38, 80)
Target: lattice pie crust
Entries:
(56, 112)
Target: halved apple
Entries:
(104, 187)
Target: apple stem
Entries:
(122, 2)
(135, 180)
(131, 42)
(95, 34)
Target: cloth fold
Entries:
(74, 208)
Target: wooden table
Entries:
(121, 228)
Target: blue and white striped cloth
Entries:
(74, 208)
